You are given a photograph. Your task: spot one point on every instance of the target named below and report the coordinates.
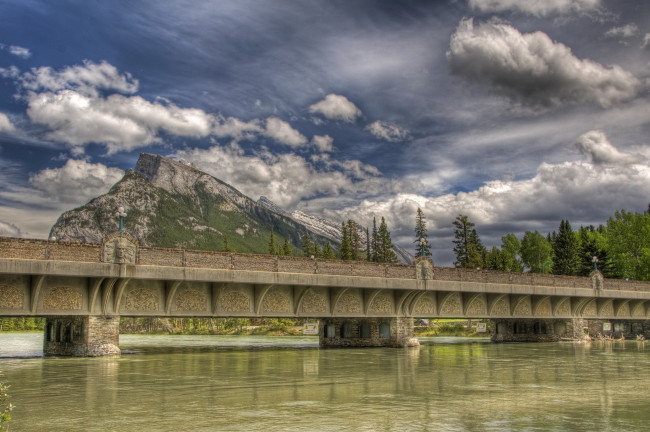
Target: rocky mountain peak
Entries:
(168, 174)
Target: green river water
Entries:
(248, 383)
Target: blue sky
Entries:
(516, 113)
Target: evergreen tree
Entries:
(272, 248)
(470, 252)
(422, 249)
(328, 252)
(566, 251)
(587, 251)
(355, 240)
(345, 252)
(385, 244)
(374, 243)
(368, 257)
(535, 252)
(226, 245)
(307, 245)
(286, 248)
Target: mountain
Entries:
(330, 230)
(173, 204)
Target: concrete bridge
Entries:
(83, 289)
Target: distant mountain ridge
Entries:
(173, 204)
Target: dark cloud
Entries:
(533, 69)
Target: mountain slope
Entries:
(172, 204)
(330, 230)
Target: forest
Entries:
(619, 248)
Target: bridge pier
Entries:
(367, 332)
(82, 336)
(536, 330)
(551, 330)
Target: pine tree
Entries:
(286, 248)
(272, 248)
(344, 249)
(307, 245)
(315, 251)
(385, 244)
(422, 247)
(355, 240)
(368, 257)
(226, 245)
(374, 243)
(328, 252)
(470, 252)
(565, 251)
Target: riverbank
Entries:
(233, 326)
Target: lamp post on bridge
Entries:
(121, 214)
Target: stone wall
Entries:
(14, 248)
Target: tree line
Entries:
(357, 244)
(620, 248)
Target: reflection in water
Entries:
(265, 383)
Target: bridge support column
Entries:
(82, 336)
(367, 332)
(536, 330)
(616, 328)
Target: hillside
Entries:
(172, 204)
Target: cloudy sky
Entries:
(517, 113)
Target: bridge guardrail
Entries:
(18, 248)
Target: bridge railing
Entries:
(18, 248)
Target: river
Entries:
(248, 383)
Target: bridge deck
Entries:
(39, 277)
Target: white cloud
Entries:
(86, 79)
(387, 131)
(532, 69)
(20, 51)
(5, 124)
(336, 107)
(583, 192)
(323, 143)
(289, 179)
(539, 8)
(282, 132)
(10, 72)
(626, 31)
(235, 128)
(75, 182)
(596, 145)
(51, 192)
(119, 122)
(16, 50)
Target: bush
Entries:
(5, 406)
